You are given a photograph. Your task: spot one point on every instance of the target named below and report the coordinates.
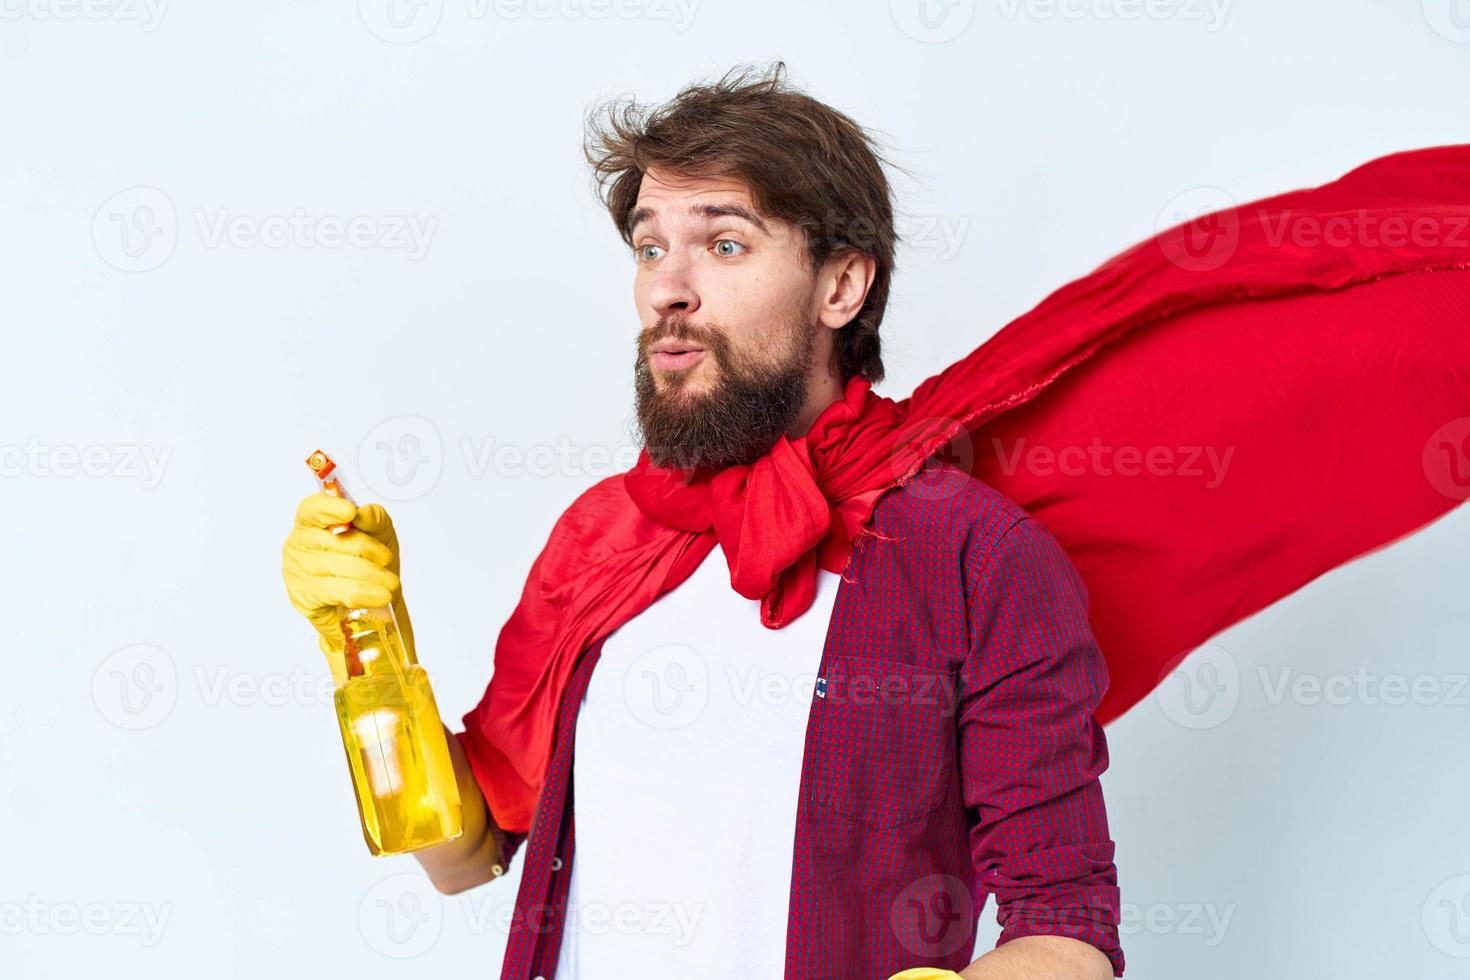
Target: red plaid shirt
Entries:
(951, 754)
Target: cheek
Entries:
(640, 296)
(647, 315)
(758, 298)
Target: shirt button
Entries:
(497, 870)
(555, 866)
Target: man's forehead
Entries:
(659, 191)
(707, 198)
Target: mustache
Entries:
(711, 339)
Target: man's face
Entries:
(730, 336)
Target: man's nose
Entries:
(672, 289)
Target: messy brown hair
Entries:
(803, 162)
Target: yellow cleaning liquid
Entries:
(402, 775)
(404, 780)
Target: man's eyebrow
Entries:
(640, 215)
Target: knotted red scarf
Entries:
(1206, 422)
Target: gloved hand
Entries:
(926, 973)
(326, 573)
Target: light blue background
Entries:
(1288, 838)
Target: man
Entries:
(813, 754)
(825, 779)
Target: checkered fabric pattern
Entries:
(951, 754)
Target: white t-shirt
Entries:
(686, 773)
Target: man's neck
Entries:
(822, 392)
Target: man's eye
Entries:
(732, 244)
(642, 252)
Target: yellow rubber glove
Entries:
(326, 573)
(926, 973)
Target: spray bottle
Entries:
(402, 774)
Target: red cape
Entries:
(1206, 423)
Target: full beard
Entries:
(745, 408)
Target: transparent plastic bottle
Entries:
(402, 774)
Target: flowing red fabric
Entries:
(1206, 423)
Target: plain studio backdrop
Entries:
(235, 233)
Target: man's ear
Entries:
(844, 284)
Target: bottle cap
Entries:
(322, 465)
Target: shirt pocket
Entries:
(885, 741)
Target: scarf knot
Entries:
(796, 508)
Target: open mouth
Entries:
(674, 355)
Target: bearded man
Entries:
(794, 696)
